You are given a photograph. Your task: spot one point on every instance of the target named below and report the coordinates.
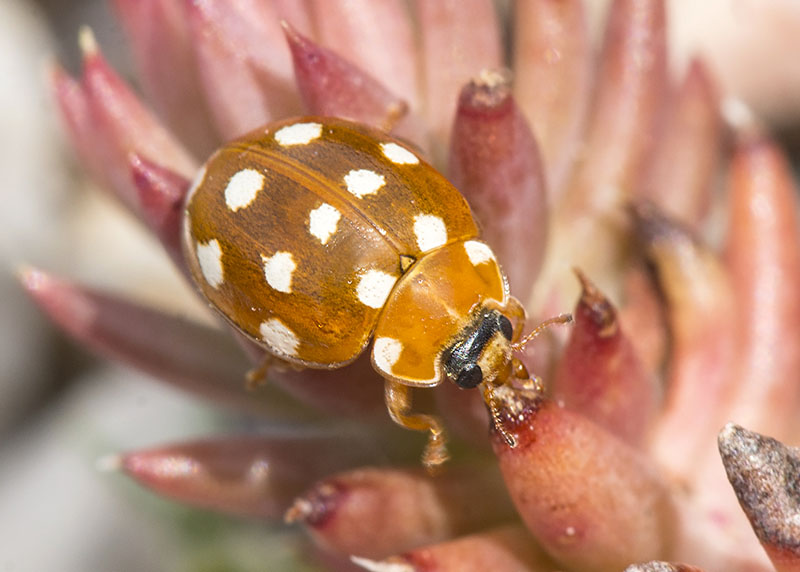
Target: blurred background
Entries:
(61, 410)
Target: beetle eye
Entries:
(505, 327)
(469, 376)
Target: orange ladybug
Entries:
(314, 235)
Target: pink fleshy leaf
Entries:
(552, 78)
(599, 504)
(628, 106)
(244, 64)
(624, 121)
(124, 125)
(680, 179)
(332, 86)
(187, 355)
(158, 32)
(245, 476)
(161, 196)
(763, 255)
(600, 374)
(380, 511)
(460, 38)
(701, 313)
(75, 113)
(494, 161)
(509, 548)
(377, 37)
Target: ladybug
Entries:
(314, 235)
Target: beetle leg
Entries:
(494, 412)
(257, 376)
(398, 402)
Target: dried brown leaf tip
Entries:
(765, 474)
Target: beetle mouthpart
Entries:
(534, 383)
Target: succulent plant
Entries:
(680, 224)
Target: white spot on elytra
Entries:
(322, 222)
(362, 182)
(279, 337)
(399, 155)
(278, 270)
(374, 288)
(209, 255)
(242, 188)
(478, 252)
(386, 352)
(298, 134)
(430, 232)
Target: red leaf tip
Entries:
(597, 307)
(315, 507)
(489, 90)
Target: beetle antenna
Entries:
(560, 319)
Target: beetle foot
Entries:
(435, 453)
